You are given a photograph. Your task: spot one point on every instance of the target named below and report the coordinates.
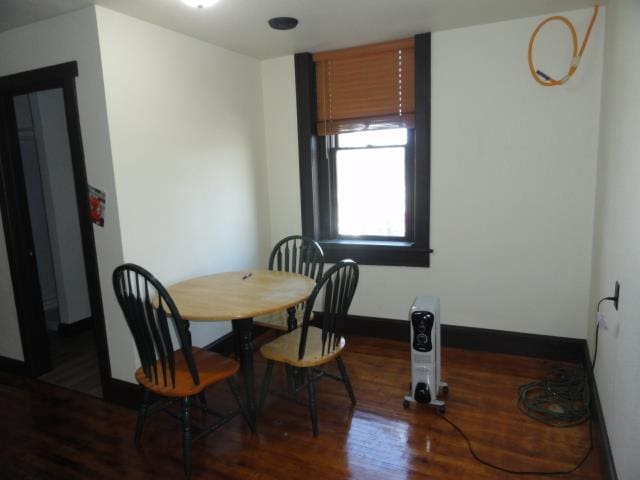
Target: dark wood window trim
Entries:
(415, 252)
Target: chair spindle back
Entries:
(147, 306)
(298, 254)
(339, 284)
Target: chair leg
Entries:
(142, 415)
(203, 401)
(345, 379)
(186, 435)
(234, 390)
(312, 401)
(266, 383)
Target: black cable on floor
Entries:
(521, 472)
(560, 399)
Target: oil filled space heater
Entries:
(426, 384)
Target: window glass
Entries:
(371, 191)
(373, 138)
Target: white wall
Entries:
(617, 237)
(513, 181)
(185, 119)
(281, 147)
(62, 39)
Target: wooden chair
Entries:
(296, 254)
(173, 374)
(310, 347)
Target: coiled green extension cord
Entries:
(560, 399)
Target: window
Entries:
(363, 130)
(370, 183)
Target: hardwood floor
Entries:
(75, 363)
(53, 433)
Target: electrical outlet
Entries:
(616, 296)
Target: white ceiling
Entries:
(241, 25)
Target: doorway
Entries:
(48, 232)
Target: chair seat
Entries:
(285, 349)
(211, 367)
(278, 320)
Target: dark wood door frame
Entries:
(17, 230)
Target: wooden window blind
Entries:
(366, 87)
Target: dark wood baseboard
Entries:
(14, 366)
(513, 343)
(71, 329)
(225, 345)
(471, 338)
(597, 416)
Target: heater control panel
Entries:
(422, 323)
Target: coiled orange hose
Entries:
(544, 79)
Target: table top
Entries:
(238, 295)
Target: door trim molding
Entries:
(13, 203)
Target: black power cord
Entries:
(561, 399)
(521, 472)
(595, 348)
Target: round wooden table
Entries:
(240, 296)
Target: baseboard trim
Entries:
(16, 367)
(472, 338)
(597, 415)
(226, 345)
(513, 343)
(71, 329)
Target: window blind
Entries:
(366, 87)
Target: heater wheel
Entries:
(405, 403)
(442, 409)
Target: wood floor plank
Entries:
(50, 432)
(75, 363)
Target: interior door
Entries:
(20, 247)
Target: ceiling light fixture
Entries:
(200, 3)
(283, 23)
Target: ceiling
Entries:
(241, 25)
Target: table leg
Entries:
(236, 340)
(243, 330)
(292, 321)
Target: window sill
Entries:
(373, 252)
